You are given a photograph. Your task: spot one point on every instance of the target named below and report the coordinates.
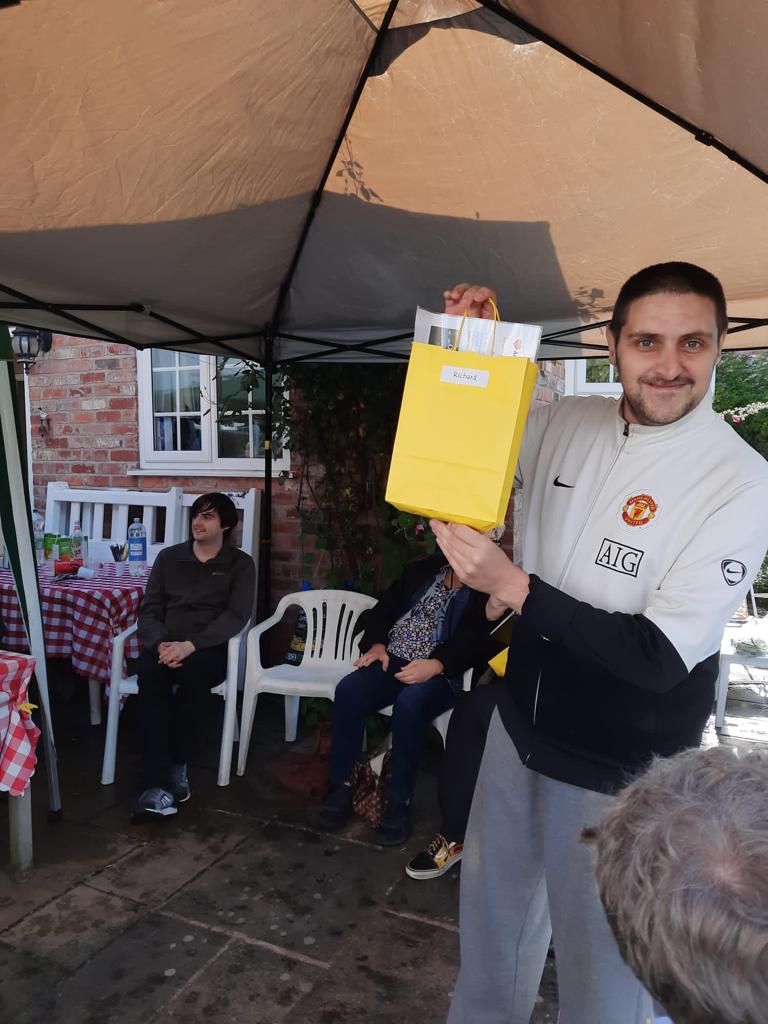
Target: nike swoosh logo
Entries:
(559, 484)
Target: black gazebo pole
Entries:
(265, 550)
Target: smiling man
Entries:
(644, 522)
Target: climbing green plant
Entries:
(741, 394)
(342, 425)
(339, 421)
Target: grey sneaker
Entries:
(155, 801)
(180, 783)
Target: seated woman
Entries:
(425, 631)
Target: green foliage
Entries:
(742, 378)
(761, 580)
(315, 708)
(342, 426)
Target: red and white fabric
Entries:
(18, 733)
(80, 617)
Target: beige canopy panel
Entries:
(289, 180)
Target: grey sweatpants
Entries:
(526, 876)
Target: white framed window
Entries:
(180, 431)
(598, 377)
(595, 376)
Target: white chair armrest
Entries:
(254, 640)
(233, 654)
(118, 654)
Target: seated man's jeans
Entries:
(172, 704)
(414, 706)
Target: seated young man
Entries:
(200, 594)
(425, 631)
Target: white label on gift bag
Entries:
(465, 375)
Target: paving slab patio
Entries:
(238, 908)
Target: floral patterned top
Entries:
(414, 635)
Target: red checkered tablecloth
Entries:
(80, 617)
(18, 733)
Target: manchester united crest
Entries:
(639, 510)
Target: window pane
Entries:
(190, 432)
(187, 359)
(165, 433)
(234, 375)
(189, 390)
(164, 391)
(598, 371)
(232, 384)
(233, 438)
(259, 391)
(257, 431)
(162, 357)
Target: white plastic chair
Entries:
(125, 686)
(753, 627)
(120, 685)
(328, 653)
(441, 722)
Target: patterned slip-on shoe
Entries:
(435, 860)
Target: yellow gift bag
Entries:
(458, 436)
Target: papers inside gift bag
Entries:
(459, 433)
(486, 337)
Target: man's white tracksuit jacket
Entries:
(641, 542)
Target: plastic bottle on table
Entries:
(295, 652)
(137, 548)
(38, 527)
(77, 541)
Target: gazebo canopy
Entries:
(212, 175)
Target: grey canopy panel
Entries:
(208, 175)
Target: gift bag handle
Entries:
(465, 317)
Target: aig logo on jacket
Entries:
(639, 510)
(619, 557)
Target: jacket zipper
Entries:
(569, 559)
(536, 701)
(572, 553)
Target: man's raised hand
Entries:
(475, 299)
(478, 562)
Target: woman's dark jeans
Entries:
(414, 706)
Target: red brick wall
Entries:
(88, 388)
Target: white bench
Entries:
(104, 517)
